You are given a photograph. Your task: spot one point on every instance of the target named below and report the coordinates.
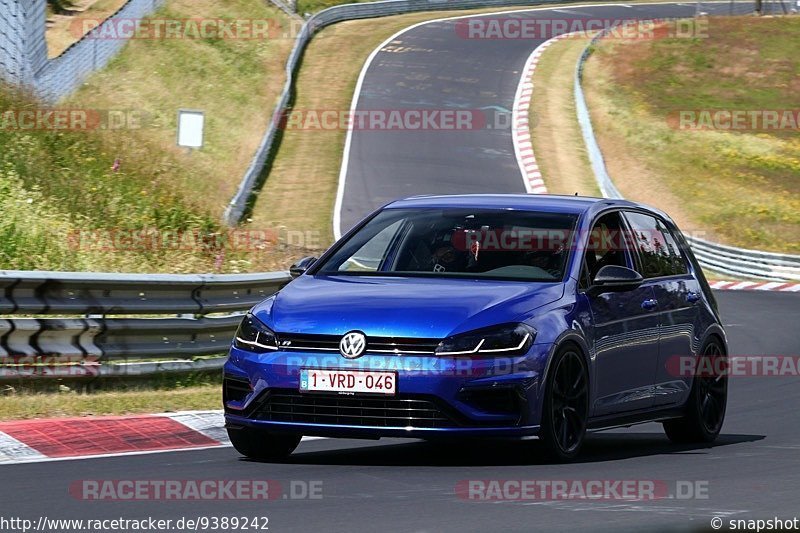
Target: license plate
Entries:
(348, 381)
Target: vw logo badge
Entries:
(352, 344)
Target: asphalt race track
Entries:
(432, 66)
(753, 471)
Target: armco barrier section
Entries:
(196, 315)
(717, 257)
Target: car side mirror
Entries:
(613, 278)
(299, 268)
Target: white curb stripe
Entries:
(14, 451)
(772, 285)
(209, 423)
(521, 135)
(776, 286)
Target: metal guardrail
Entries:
(717, 257)
(237, 206)
(748, 263)
(98, 344)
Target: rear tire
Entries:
(262, 445)
(566, 405)
(705, 410)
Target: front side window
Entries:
(458, 242)
(607, 245)
(369, 257)
(658, 249)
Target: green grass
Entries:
(54, 184)
(312, 6)
(61, 21)
(234, 81)
(555, 131)
(159, 394)
(741, 187)
(744, 63)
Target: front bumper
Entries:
(458, 397)
(376, 432)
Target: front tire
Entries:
(262, 445)
(705, 410)
(566, 405)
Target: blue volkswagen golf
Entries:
(497, 316)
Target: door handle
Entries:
(692, 297)
(649, 304)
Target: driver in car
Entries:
(447, 259)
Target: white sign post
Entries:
(190, 128)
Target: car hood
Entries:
(400, 306)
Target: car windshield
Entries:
(457, 242)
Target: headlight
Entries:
(254, 336)
(510, 339)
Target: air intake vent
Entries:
(234, 389)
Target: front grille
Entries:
(397, 412)
(379, 345)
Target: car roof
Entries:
(530, 202)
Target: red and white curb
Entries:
(60, 439)
(779, 286)
(521, 134)
(26, 441)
